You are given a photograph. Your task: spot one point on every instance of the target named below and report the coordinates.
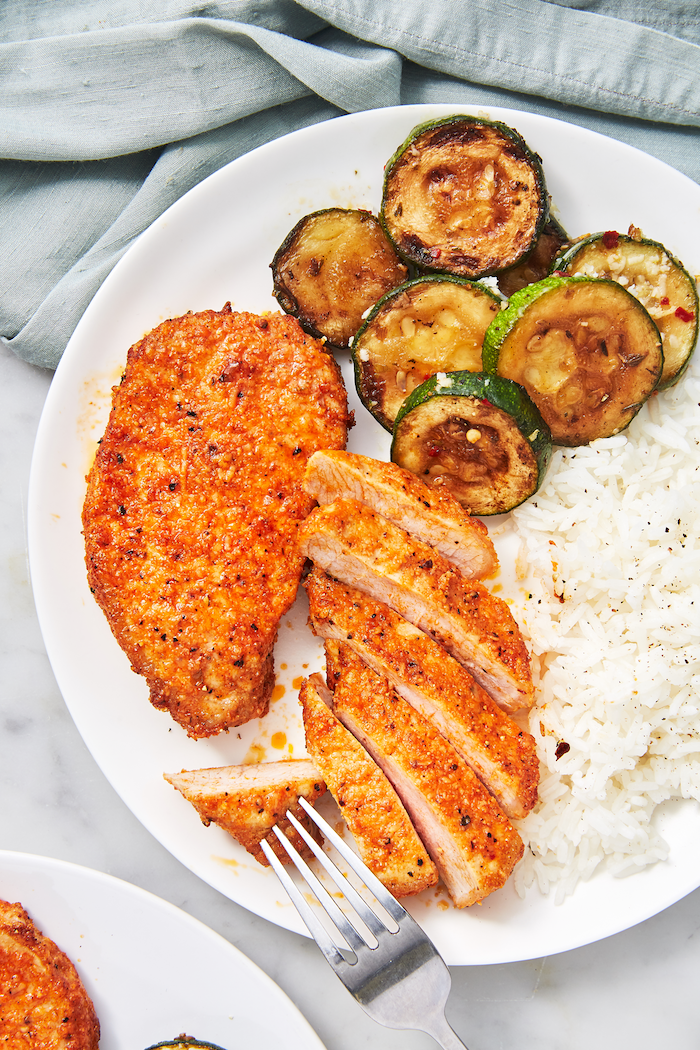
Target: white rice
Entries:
(610, 565)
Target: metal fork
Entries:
(395, 974)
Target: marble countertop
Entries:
(638, 988)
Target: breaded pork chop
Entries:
(365, 550)
(194, 500)
(43, 1002)
(472, 843)
(501, 754)
(387, 841)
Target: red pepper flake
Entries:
(684, 315)
(562, 748)
(433, 450)
(611, 238)
(435, 253)
(664, 300)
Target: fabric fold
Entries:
(42, 340)
(578, 57)
(88, 96)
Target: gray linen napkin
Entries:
(112, 109)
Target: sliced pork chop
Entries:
(472, 843)
(387, 841)
(432, 516)
(501, 754)
(362, 548)
(246, 801)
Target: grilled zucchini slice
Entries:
(184, 1042)
(538, 264)
(464, 195)
(587, 352)
(479, 436)
(428, 325)
(655, 277)
(333, 266)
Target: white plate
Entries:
(151, 970)
(214, 245)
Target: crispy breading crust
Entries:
(194, 500)
(43, 1003)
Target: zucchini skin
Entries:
(498, 494)
(684, 319)
(470, 256)
(611, 361)
(374, 385)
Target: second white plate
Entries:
(152, 971)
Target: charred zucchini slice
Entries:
(184, 1042)
(428, 325)
(539, 262)
(331, 268)
(465, 196)
(655, 277)
(479, 436)
(586, 351)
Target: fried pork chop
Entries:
(246, 801)
(194, 500)
(364, 549)
(430, 514)
(501, 754)
(472, 843)
(43, 1002)
(385, 837)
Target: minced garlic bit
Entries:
(442, 381)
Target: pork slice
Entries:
(360, 547)
(432, 516)
(246, 801)
(472, 843)
(501, 754)
(386, 839)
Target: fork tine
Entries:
(385, 898)
(337, 916)
(363, 909)
(316, 929)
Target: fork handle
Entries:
(443, 1034)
